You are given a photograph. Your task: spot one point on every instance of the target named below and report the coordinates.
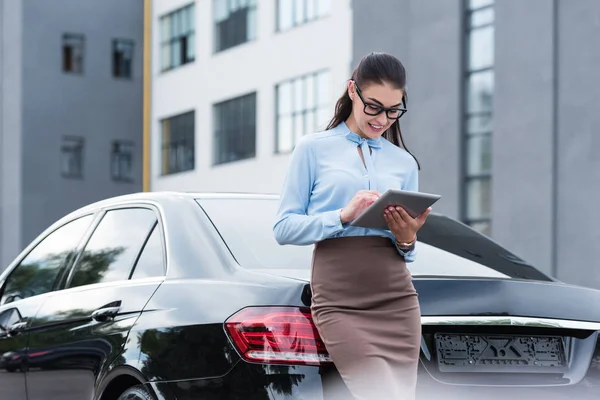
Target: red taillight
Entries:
(277, 335)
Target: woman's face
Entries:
(375, 97)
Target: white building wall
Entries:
(253, 66)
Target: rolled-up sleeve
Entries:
(293, 225)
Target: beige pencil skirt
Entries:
(367, 312)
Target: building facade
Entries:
(501, 105)
(502, 118)
(235, 83)
(70, 110)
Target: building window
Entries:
(122, 161)
(178, 143)
(478, 118)
(73, 49)
(72, 157)
(235, 22)
(122, 57)
(235, 129)
(302, 107)
(177, 38)
(292, 13)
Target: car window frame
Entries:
(101, 214)
(157, 225)
(18, 261)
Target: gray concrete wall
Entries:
(579, 142)
(11, 67)
(426, 37)
(94, 105)
(546, 139)
(522, 163)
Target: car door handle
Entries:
(107, 312)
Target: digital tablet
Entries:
(413, 202)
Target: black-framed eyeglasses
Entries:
(375, 109)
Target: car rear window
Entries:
(446, 247)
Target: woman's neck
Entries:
(353, 126)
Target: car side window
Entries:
(111, 251)
(39, 271)
(152, 261)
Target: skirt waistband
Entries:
(353, 242)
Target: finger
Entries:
(401, 222)
(404, 215)
(423, 216)
(391, 221)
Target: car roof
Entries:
(174, 206)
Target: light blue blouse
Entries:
(325, 172)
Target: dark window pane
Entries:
(234, 23)
(122, 161)
(73, 50)
(151, 262)
(177, 37)
(122, 58)
(178, 141)
(113, 247)
(39, 270)
(235, 129)
(72, 157)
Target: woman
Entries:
(363, 301)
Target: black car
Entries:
(188, 296)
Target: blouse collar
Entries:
(373, 143)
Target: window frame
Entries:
(216, 151)
(293, 112)
(100, 216)
(306, 20)
(114, 158)
(156, 226)
(251, 12)
(59, 281)
(68, 147)
(114, 43)
(467, 177)
(170, 39)
(66, 36)
(165, 169)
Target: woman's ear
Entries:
(351, 90)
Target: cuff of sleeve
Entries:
(409, 256)
(332, 221)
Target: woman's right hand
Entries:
(361, 200)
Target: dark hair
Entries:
(375, 68)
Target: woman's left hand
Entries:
(403, 226)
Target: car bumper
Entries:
(248, 382)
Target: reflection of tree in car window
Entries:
(93, 265)
(40, 269)
(113, 247)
